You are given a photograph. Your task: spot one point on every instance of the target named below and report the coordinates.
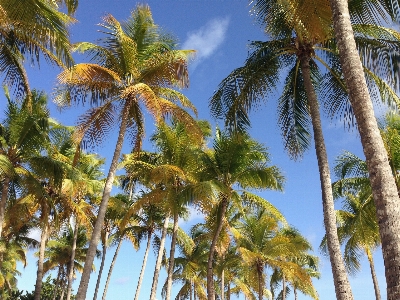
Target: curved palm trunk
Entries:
(146, 254)
(4, 196)
(383, 185)
(210, 274)
(72, 262)
(94, 241)
(111, 268)
(172, 257)
(39, 277)
(103, 258)
(373, 274)
(341, 282)
(159, 259)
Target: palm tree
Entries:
(24, 135)
(298, 106)
(358, 230)
(383, 185)
(261, 242)
(137, 65)
(236, 162)
(28, 28)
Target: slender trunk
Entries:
(260, 269)
(159, 259)
(111, 268)
(146, 254)
(228, 294)
(295, 293)
(172, 257)
(72, 261)
(4, 196)
(383, 185)
(191, 290)
(210, 275)
(103, 258)
(55, 291)
(341, 282)
(373, 274)
(39, 277)
(222, 285)
(62, 290)
(283, 287)
(94, 241)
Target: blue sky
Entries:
(219, 30)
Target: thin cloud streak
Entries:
(207, 39)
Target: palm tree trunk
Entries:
(103, 258)
(222, 285)
(260, 281)
(373, 274)
(4, 196)
(72, 261)
(210, 275)
(56, 288)
(295, 293)
(94, 241)
(228, 294)
(146, 254)
(159, 259)
(283, 287)
(383, 185)
(111, 268)
(341, 282)
(172, 257)
(39, 277)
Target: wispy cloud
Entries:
(207, 39)
(122, 280)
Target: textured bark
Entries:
(228, 294)
(39, 276)
(210, 274)
(373, 274)
(172, 257)
(103, 258)
(146, 254)
(159, 259)
(72, 262)
(283, 287)
(295, 293)
(94, 241)
(383, 185)
(4, 196)
(340, 278)
(111, 268)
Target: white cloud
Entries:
(207, 39)
(35, 234)
(122, 280)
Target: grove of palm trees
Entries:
(165, 150)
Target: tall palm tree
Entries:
(136, 65)
(28, 28)
(300, 42)
(383, 185)
(235, 164)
